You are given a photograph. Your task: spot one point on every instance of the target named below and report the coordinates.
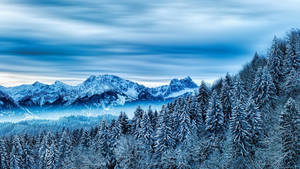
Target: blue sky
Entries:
(149, 42)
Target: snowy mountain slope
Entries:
(110, 86)
(6, 102)
(176, 85)
(39, 94)
(96, 90)
(182, 92)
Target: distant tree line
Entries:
(249, 120)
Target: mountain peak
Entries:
(59, 83)
(188, 78)
(104, 77)
(37, 83)
(177, 85)
(185, 82)
(90, 79)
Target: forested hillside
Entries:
(248, 120)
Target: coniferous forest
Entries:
(250, 120)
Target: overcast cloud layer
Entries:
(146, 41)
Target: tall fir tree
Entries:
(64, 149)
(164, 138)
(85, 139)
(203, 100)
(290, 134)
(247, 74)
(184, 122)
(28, 153)
(253, 117)
(146, 130)
(102, 143)
(123, 121)
(196, 121)
(48, 153)
(264, 96)
(215, 117)
(16, 154)
(292, 59)
(239, 128)
(114, 131)
(275, 63)
(226, 97)
(153, 115)
(4, 154)
(136, 122)
(292, 84)
(239, 91)
(240, 140)
(130, 154)
(264, 91)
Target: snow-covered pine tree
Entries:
(102, 146)
(4, 158)
(183, 157)
(292, 84)
(217, 85)
(136, 122)
(203, 100)
(240, 140)
(253, 117)
(124, 123)
(64, 149)
(239, 92)
(114, 132)
(194, 149)
(172, 116)
(164, 138)
(75, 137)
(215, 117)
(264, 91)
(146, 130)
(264, 96)
(101, 141)
(290, 134)
(291, 66)
(85, 139)
(153, 115)
(191, 107)
(93, 132)
(184, 122)
(197, 124)
(226, 97)
(48, 153)
(248, 73)
(51, 157)
(275, 63)
(16, 154)
(292, 59)
(42, 150)
(168, 159)
(28, 153)
(130, 153)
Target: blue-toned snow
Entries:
(57, 113)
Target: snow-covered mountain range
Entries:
(96, 90)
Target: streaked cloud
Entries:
(146, 41)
